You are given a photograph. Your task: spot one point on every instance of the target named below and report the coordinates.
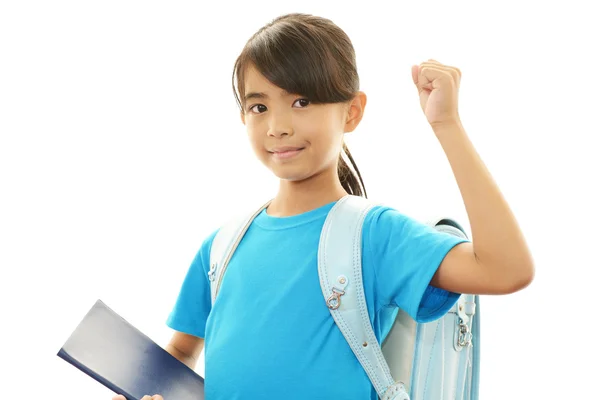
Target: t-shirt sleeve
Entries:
(406, 254)
(193, 302)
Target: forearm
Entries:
(497, 239)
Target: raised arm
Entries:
(498, 260)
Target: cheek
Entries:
(255, 141)
(253, 132)
(327, 147)
(332, 135)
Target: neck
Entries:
(296, 197)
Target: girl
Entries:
(269, 334)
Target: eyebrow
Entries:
(261, 95)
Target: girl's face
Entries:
(292, 137)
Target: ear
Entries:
(355, 111)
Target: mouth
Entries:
(286, 152)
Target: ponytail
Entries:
(350, 178)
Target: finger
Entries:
(119, 397)
(431, 77)
(146, 397)
(454, 72)
(157, 397)
(421, 80)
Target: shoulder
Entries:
(217, 235)
(383, 220)
(381, 213)
(219, 240)
(389, 232)
(208, 240)
(202, 257)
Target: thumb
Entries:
(423, 78)
(415, 74)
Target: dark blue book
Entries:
(113, 352)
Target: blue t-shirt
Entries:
(270, 335)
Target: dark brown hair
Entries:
(310, 56)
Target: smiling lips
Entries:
(286, 152)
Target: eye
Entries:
(303, 102)
(264, 108)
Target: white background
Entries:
(121, 149)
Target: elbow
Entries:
(527, 272)
(522, 283)
(520, 280)
(508, 276)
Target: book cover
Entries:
(115, 353)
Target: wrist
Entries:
(452, 124)
(449, 128)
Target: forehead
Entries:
(255, 82)
(252, 77)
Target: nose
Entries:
(280, 125)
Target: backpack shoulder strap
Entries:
(223, 246)
(449, 226)
(340, 274)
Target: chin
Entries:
(291, 176)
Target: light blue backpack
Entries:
(435, 360)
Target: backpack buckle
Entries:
(212, 271)
(334, 301)
(464, 335)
